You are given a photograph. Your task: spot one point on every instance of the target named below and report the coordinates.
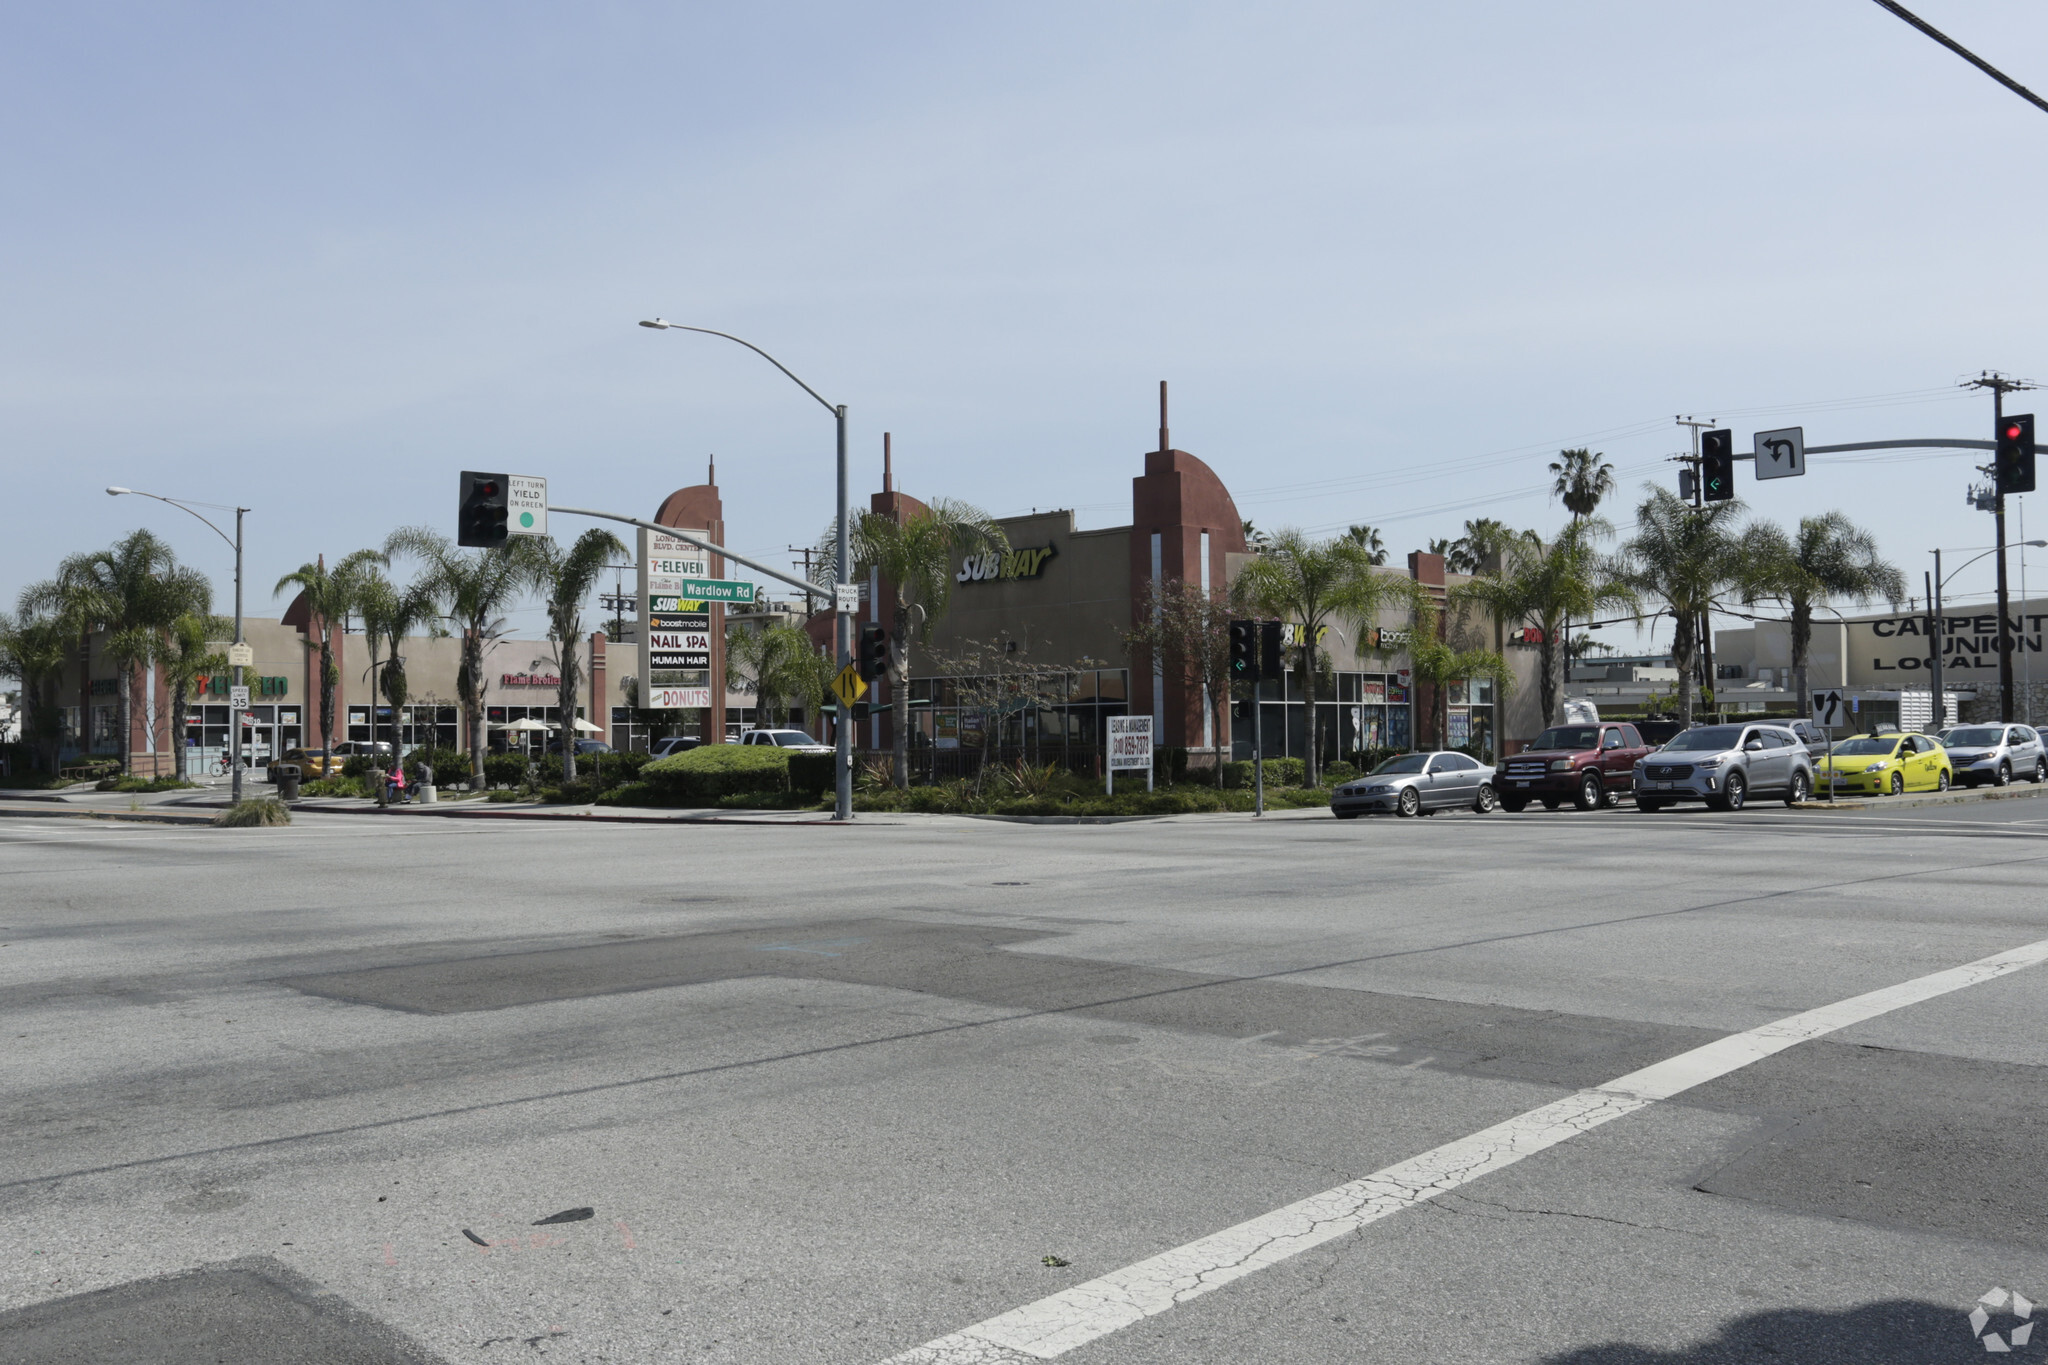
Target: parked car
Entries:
(1588, 765)
(786, 739)
(311, 763)
(350, 748)
(1418, 784)
(1812, 736)
(583, 746)
(1888, 763)
(673, 744)
(1996, 754)
(1724, 765)
(1657, 733)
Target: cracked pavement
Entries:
(1295, 1092)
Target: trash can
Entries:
(426, 794)
(286, 775)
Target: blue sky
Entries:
(317, 259)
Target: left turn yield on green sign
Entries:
(526, 510)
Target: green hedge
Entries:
(504, 770)
(704, 774)
(450, 766)
(1280, 772)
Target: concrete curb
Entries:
(1951, 797)
(56, 811)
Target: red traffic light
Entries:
(2012, 431)
(487, 488)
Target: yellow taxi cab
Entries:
(1886, 764)
(311, 765)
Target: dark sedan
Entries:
(1418, 784)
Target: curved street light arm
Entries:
(660, 324)
(186, 510)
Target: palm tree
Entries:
(1312, 581)
(188, 655)
(330, 598)
(783, 664)
(1483, 541)
(1684, 557)
(567, 578)
(1580, 479)
(917, 557)
(1829, 557)
(1255, 540)
(132, 592)
(1436, 661)
(473, 591)
(391, 614)
(34, 647)
(1369, 537)
(1546, 585)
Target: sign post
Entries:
(1827, 714)
(1130, 746)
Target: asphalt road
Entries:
(858, 1094)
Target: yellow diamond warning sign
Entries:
(849, 686)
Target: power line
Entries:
(1972, 58)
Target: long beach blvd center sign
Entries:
(675, 634)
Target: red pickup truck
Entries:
(1588, 765)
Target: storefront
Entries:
(1035, 650)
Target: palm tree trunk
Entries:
(379, 783)
(473, 704)
(126, 711)
(1308, 698)
(326, 697)
(183, 771)
(1547, 654)
(899, 697)
(1682, 652)
(566, 697)
(1802, 644)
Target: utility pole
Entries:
(1705, 627)
(2001, 385)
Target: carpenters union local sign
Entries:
(984, 568)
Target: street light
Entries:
(1940, 632)
(842, 634)
(235, 728)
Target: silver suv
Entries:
(1724, 765)
(1996, 754)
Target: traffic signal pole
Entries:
(2000, 385)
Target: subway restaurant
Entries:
(1031, 657)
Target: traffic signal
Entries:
(1688, 484)
(480, 518)
(874, 651)
(1717, 465)
(1244, 651)
(2015, 462)
(1241, 709)
(1269, 649)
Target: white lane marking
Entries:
(1057, 1324)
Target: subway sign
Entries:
(999, 564)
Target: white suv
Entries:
(795, 740)
(1996, 754)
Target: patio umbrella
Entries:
(586, 726)
(527, 724)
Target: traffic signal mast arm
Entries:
(812, 588)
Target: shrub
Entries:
(336, 786)
(450, 765)
(1170, 765)
(504, 770)
(702, 775)
(630, 794)
(1340, 771)
(812, 772)
(613, 770)
(1280, 772)
(356, 765)
(581, 792)
(262, 811)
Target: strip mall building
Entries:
(1062, 599)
